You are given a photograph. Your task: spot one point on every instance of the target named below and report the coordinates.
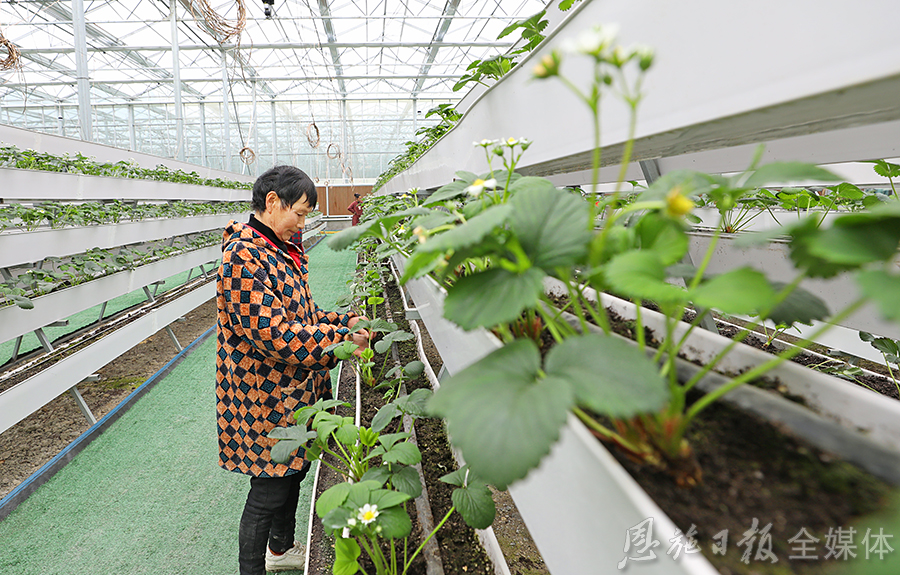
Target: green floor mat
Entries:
(147, 496)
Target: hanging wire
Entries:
(13, 59)
(312, 134)
(335, 154)
(221, 28)
(248, 156)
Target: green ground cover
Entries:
(147, 496)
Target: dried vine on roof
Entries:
(13, 59)
(220, 28)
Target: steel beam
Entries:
(176, 78)
(331, 44)
(81, 71)
(449, 11)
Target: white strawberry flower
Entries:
(367, 513)
(479, 186)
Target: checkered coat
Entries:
(271, 340)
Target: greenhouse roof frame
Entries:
(344, 49)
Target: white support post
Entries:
(204, 158)
(274, 138)
(176, 76)
(81, 70)
(226, 123)
(132, 137)
(60, 121)
(82, 405)
(79, 400)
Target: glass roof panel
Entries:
(308, 50)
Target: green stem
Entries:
(639, 326)
(337, 456)
(370, 547)
(706, 259)
(740, 336)
(759, 370)
(393, 557)
(592, 424)
(427, 539)
(600, 319)
(576, 302)
(887, 364)
(332, 467)
(629, 147)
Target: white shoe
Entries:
(292, 560)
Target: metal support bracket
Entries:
(83, 405)
(168, 329)
(48, 347)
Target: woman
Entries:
(270, 361)
(355, 209)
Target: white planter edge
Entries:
(25, 139)
(855, 408)
(39, 185)
(28, 247)
(15, 321)
(26, 397)
(773, 257)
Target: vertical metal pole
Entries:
(132, 139)
(204, 160)
(60, 120)
(255, 134)
(344, 137)
(81, 70)
(176, 76)
(274, 139)
(225, 114)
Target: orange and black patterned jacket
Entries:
(271, 340)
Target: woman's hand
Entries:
(354, 320)
(361, 339)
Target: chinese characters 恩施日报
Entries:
(756, 544)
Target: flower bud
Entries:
(645, 57)
(677, 204)
(548, 66)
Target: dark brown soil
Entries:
(31, 443)
(880, 385)
(519, 550)
(458, 544)
(752, 474)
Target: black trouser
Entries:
(270, 516)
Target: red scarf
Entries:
(291, 248)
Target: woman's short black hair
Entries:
(288, 182)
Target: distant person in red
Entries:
(355, 209)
